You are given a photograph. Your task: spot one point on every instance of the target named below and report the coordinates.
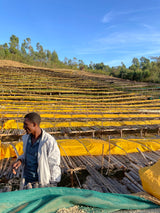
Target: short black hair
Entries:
(33, 117)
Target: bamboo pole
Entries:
(71, 170)
(133, 181)
(109, 157)
(102, 162)
(100, 179)
(145, 159)
(1, 166)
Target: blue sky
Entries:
(108, 31)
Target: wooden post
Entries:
(93, 134)
(121, 133)
(72, 178)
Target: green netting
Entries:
(51, 199)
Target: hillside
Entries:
(70, 100)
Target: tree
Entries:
(6, 49)
(70, 63)
(123, 71)
(54, 57)
(40, 54)
(48, 55)
(81, 64)
(138, 75)
(14, 44)
(135, 62)
(38, 47)
(156, 58)
(99, 66)
(91, 66)
(146, 73)
(23, 48)
(65, 61)
(74, 62)
(2, 52)
(29, 47)
(157, 61)
(145, 63)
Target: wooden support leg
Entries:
(121, 133)
(72, 178)
(93, 134)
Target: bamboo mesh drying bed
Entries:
(104, 173)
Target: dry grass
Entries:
(9, 63)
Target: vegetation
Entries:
(141, 69)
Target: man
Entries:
(41, 157)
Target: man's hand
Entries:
(15, 166)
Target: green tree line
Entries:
(142, 69)
(25, 53)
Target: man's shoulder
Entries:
(25, 137)
(47, 137)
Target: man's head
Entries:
(31, 122)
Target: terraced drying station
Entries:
(80, 106)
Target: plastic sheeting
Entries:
(7, 150)
(88, 146)
(150, 177)
(13, 124)
(51, 199)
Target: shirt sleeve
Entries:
(22, 157)
(54, 161)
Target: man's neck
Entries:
(36, 135)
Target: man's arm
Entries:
(20, 161)
(54, 162)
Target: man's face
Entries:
(28, 126)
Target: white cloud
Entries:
(107, 17)
(92, 50)
(115, 62)
(124, 42)
(129, 38)
(121, 43)
(148, 27)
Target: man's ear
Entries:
(34, 124)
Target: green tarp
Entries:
(44, 200)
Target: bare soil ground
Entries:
(74, 209)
